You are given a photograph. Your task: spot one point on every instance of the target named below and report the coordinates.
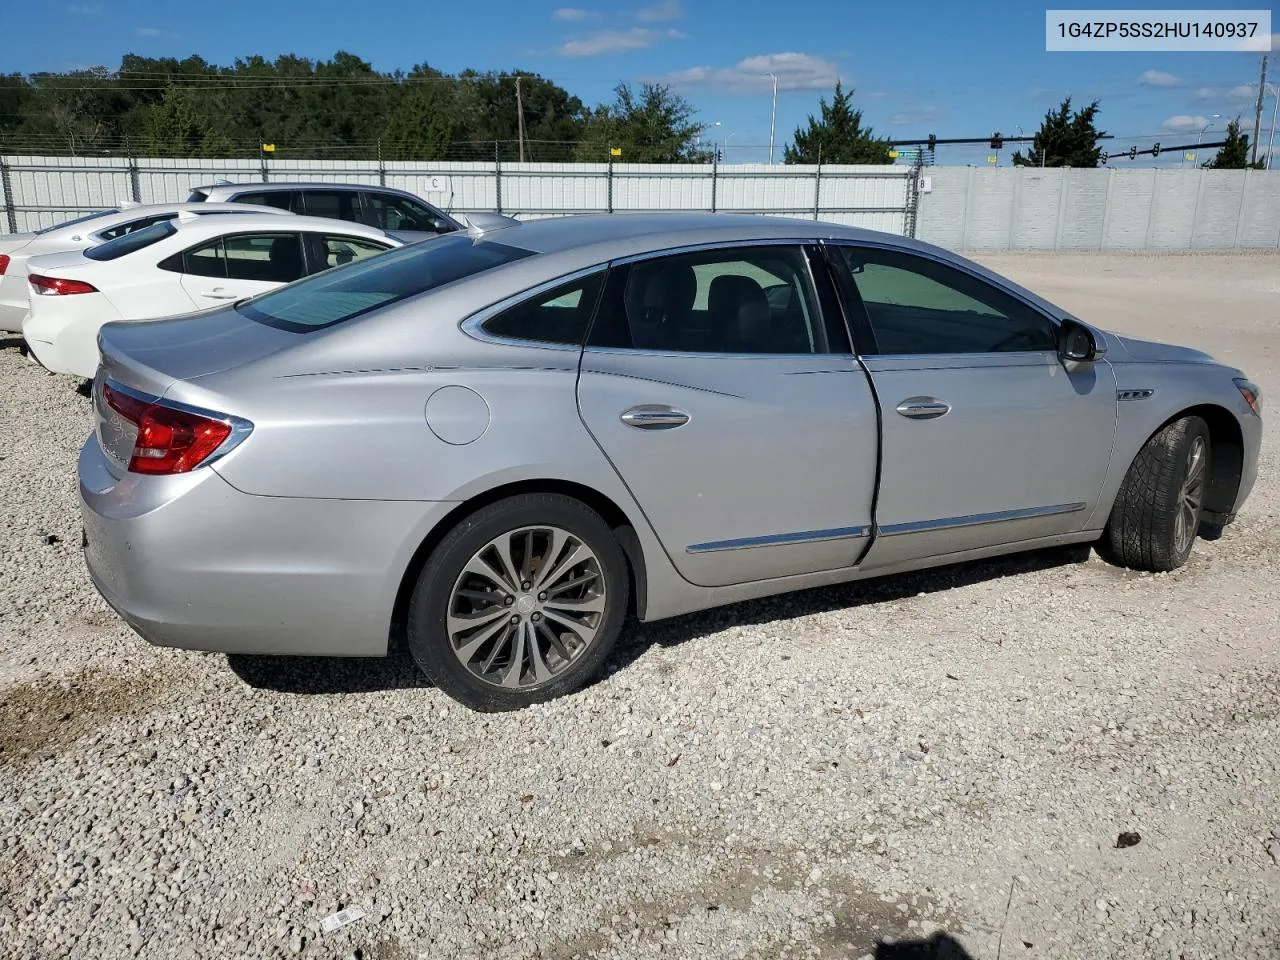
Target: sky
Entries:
(928, 67)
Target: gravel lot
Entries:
(948, 754)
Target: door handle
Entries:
(923, 408)
(654, 416)
(217, 293)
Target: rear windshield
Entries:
(132, 242)
(71, 223)
(348, 291)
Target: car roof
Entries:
(275, 186)
(137, 211)
(216, 224)
(624, 234)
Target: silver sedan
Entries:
(493, 447)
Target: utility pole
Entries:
(773, 114)
(1271, 143)
(1257, 110)
(520, 117)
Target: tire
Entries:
(1156, 516)
(563, 634)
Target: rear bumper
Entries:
(191, 562)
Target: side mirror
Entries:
(1077, 343)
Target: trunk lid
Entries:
(152, 355)
(13, 242)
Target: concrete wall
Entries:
(965, 208)
(1027, 208)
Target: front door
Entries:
(988, 437)
(730, 404)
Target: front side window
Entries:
(334, 297)
(916, 305)
(755, 299)
(560, 315)
(340, 250)
(333, 204)
(389, 211)
(132, 242)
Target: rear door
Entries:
(243, 265)
(721, 386)
(988, 437)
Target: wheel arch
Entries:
(612, 514)
(1226, 456)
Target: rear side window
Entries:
(280, 199)
(133, 226)
(338, 250)
(132, 242)
(334, 204)
(197, 196)
(265, 257)
(328, 298)
(557, 316)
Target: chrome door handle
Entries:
(923, 408)
(215, 295)
(654, 416)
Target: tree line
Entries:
(164, 107)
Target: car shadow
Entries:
(334, 675)
(638, 638)
(12, 342)
(940, 946)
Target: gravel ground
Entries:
(945, 759)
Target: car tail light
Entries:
(53, 286)
(171, 439)
(4, 263)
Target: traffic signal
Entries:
(997, 141)
(1133, 153)
(719, 155)
(1155, 150)
(933, 142)
(1104, 156)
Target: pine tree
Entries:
(839, 137)
(1234, 153)
(1065, 139)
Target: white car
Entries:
(87, 231)
(186, 265)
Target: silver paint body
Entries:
(790, 472)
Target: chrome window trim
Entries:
(473, 326)
(977, 519)
(780, 539)
(240, 428)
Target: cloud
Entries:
(148, 31)
(659, 12)
(1263, 43)
(573, 14)
(84, 10)
(1183, 123)
(1241, 91)
(795, 71)
(616, 41)
(909, 118)
(1157, 78)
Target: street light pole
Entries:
(1271, 141)
(773, 115)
